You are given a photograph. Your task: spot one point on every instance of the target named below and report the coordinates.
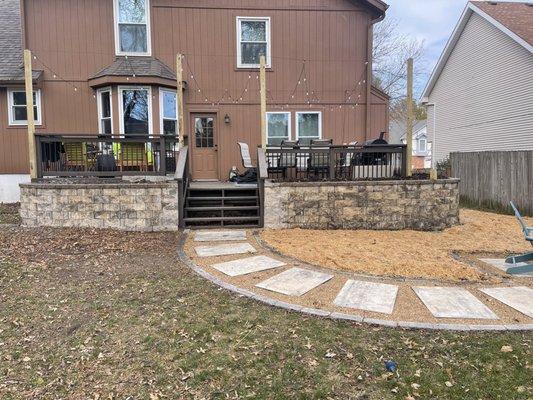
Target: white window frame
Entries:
(425, 145)
(116, 15)
(121, 107)
(319, 113)
(11, 116)
(99, 107)
(268, 42)
(161, 110)
(289, 125)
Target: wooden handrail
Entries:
(262, 163)
(182, 163)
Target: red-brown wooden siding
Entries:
(75, 38)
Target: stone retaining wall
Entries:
(392, 205)
(123, 206)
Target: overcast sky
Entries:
(430, 20)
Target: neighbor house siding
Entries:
(484, 95)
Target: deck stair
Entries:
(214, 204)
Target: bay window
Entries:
(132, 27)
(253, 41)
(168, 111)
(105, 119)
(135, 111)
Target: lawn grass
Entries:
(98, 314)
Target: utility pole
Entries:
(410, 117)
(28, 80)
(262, 80)
(179, 98)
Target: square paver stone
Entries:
(219, 236)
(369, 296)
(248, 265)
(295, 281)
(225, 249)
(503, 266)
(451, 302)
(520, 298)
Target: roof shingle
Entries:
(517, 17)
(145, 66)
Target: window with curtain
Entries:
(308, 126)
(17, 107)
(132, 27)
(253, 41)
(169, 116)
(278, 127)
(135, 111)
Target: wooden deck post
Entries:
(28, 80)
(179, 99)
(262, 79)
(410, 117)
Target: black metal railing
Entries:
(371, 162)
(183, 177)
(104, 156)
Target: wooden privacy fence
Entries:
(494, 178)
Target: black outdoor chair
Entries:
(286, 161)
(526, 258)
(318, 163)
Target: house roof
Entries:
(145, 66)
(11, 66)
(417, 129)
(513, 19)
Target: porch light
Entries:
(227, 119)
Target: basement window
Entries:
(16, 99)
(278, 127)
(308, 126)
(132, 27)
(253, 41)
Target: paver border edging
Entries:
(337, 315)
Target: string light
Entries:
(54, 74)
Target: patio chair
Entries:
(523, 258)
(134, 155)
(318, 163)
(285, 161)
(76, 158)
(245, 155)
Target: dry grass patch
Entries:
(405, 253)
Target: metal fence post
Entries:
(38, 148)
(331, 164)
(162, 155)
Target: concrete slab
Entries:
(520, 297)
(451, 302)
(219, 236)
(225, 249)
(248, 265)
(501, 265)
(295, 281)
(369, 296)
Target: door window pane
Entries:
(204, 132)
(308, 127)
(277, 128)
(136, 112)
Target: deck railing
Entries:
(104, 156)
(334, 163)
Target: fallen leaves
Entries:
(506, 349)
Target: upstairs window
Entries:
(169, 114)
(422, 145)
(253, 41)
(132, 27)
(17, 112)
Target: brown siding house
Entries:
(108, 66)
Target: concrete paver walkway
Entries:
(520, 298)
(295, 281)
(225, 249)
(248, 265)
(220, 236)
(370, 296)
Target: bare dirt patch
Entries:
(412, 254)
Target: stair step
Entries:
(222, 198)
(222, 208)
(219, 219)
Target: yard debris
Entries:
(391, 366)
(506, 349)
(448, 384)
(330, 354)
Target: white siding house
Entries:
(480, 95)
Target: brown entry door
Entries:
(204, 146)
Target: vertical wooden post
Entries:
(262, 79)
(179, 99)
(410, 117)
(28, 80)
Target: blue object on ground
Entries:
(391, 366)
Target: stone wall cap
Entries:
(111, 185)
(270, 183)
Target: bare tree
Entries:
(390, 53)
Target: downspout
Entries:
(369, 57)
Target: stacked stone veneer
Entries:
(122, 206)
(409, 204)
